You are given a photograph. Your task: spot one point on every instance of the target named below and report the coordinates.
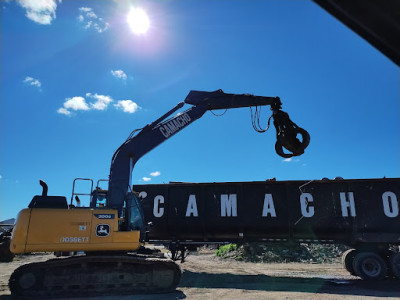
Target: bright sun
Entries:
(138, 20)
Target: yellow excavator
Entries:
(110, 237)
(50, 225)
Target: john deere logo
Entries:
(103, 230)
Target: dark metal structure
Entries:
(359, 212)
(377, 21)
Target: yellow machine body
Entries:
(77, 229)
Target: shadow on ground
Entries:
(177, 295)
(355, 287)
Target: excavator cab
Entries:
(132, 218)
(98, 198)
(133, 215)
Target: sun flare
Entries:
(138, 20)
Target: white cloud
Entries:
(76, 103)
(40, 11)
(101, 103)
(155, 174)
(291, 160)
(146, 179)
(32, 81)
(85, 9)
(101, 27)
(127, 106)
(119, 74)
(64, 111)
(88, 25)
(91, 14)
(91, 20)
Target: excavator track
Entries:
(82, 276)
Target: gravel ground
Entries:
(208, 277)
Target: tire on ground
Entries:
(347, 260)
(370, 266)
(394, 266)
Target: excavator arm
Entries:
(144, 140)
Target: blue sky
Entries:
(76, 80)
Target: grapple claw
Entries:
(286, 136)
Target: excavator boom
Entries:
(154, 134)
